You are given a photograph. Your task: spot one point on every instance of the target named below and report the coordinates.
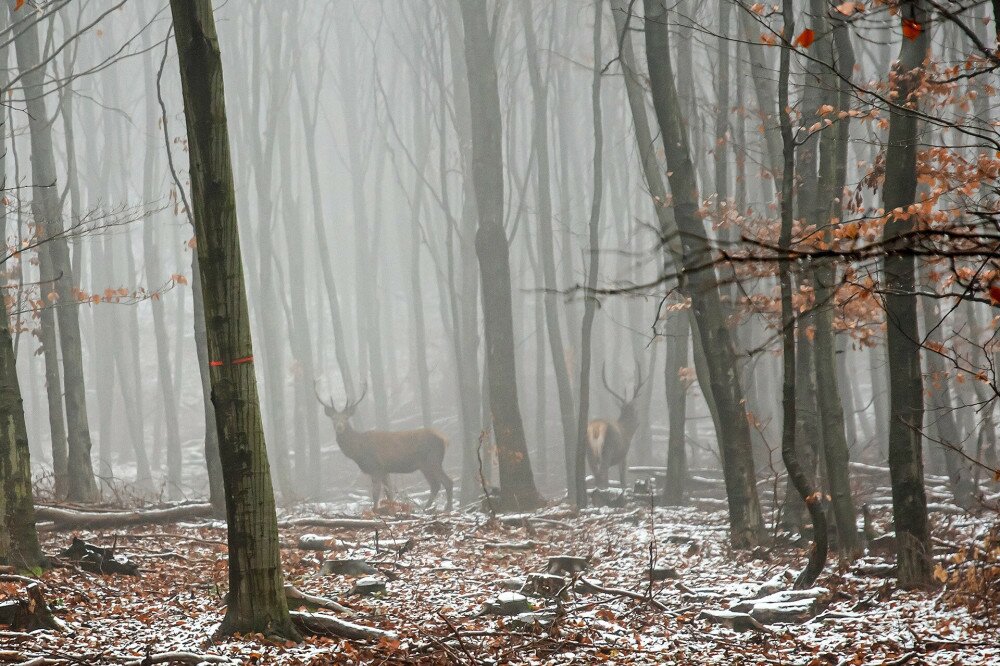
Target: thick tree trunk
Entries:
(701, 285)
(517, 485)
(909, 500)
(18, 538)
(256, 592)
(54, 263)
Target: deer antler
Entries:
(321, 401)
(351, 406)
(604, 378)
(639, 379)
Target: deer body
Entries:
(608, 441)
(380, 453)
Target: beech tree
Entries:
(517, 484)
(256, 593)
(906, 395)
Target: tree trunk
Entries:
(517, 485)
(798, 474)
(256, 592)
(675, 491)
(831, 174)
(18, 538)
(579, 486)
(701, 285)
(546, 251)
(909, 500)
(54, 263)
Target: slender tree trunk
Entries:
(941, 410)
(909, 500)
(54, 261)
(831, 175)
(590, 306)
(546, 250)
(256, 600)
(798, 473)
(701, 285)
(517, 485)
(309, 109)
(675, 490)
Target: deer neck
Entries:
(628, 424)
(348, 441)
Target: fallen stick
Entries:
(517, 545)
(590, 586)
(71, 519)
(179, 658)
(328, 625)
(336, 523)
(294, 594)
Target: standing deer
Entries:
(608, 441)
(380, 453)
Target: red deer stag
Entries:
(380, 453)
(608, 441)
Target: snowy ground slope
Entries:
(452, 566)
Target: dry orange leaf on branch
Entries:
(805, 38)
(912, 29)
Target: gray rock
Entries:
(368, 586)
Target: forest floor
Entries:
(442, 569)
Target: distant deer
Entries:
(380, 453)
(608, 441)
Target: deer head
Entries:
(628, 408)
(341, 417)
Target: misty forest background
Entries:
(349, 146)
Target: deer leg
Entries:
(376, 490)
(449, 486)
(435, 484)
(390, 490)
(622, 470)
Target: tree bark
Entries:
(517, 485)
(546, 251)
(256, 592)
(909, 500)
(700, 284)
(579, 486)
(54, 263)
(798, 474)
(18, 538)
(832, 172)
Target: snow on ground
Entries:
(442, 570)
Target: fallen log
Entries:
(59, 518)
(326, 625)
